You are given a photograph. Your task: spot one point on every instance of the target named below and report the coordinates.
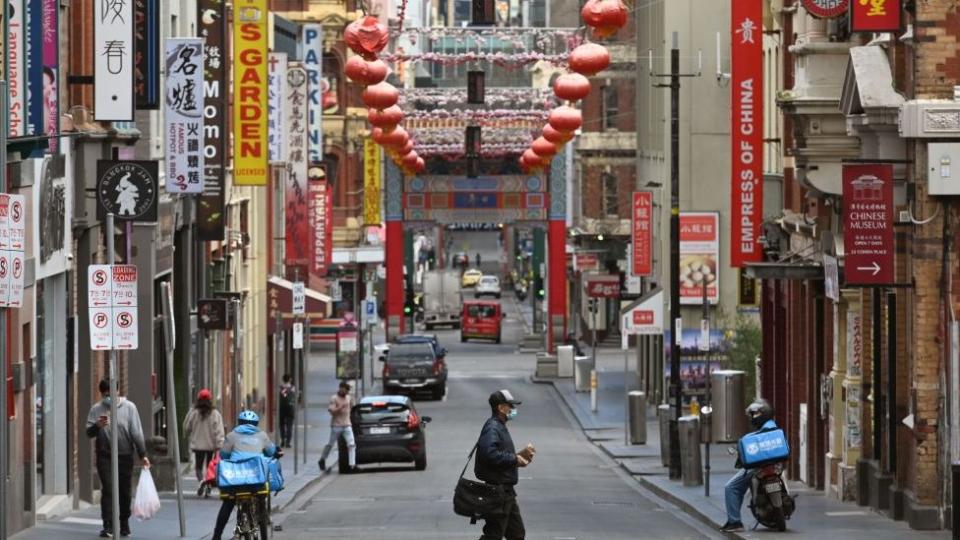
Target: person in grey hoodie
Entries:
(129, 442)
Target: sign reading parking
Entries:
(112, 298)
(13, 217)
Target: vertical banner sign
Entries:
(51, 71)
(868, 223)
(112, 300)
(313, 61)
(146, 39)
(746, 132)
(34, 51)
(319, 200)
(16, 64)
(642, 233)
(210, 210)
(371, 183)
(113, 60)
(875, 16)
(250, 97)
(699, 257)
(296, 204)
(183, 121)
(276, 84)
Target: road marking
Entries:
(845, 513)
(81, 521)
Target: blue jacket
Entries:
(247, 440)
(496, 457)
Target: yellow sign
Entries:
(250, 99)
(371, 183)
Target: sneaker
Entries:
(323, 464)
(124, 529)
(105, 533)
(732, 526)
(201, 489)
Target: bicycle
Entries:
(253, 513)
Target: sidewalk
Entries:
(817, 516)
(200, 514)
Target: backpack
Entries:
(288, 400)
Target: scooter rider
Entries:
(760, 414)
(245, 440)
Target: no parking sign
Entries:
(112, 298)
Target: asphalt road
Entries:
(569, 492)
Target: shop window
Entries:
(611, 107)
(611, 199)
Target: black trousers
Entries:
(125, 472)
(508, 525)
(223, 517)
(286, 429)
(202, 459)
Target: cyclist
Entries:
(244, 441)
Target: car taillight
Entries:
(386, 370)
(413, 421)
(436, 367)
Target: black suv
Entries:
(414, 367)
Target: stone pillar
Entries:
(393, 247)
(557, 252)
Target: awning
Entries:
(785, 270)
(280, 299)
(363, 254)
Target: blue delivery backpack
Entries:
(243, 472)
(769, 445)
(275, 474)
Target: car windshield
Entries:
(411, 352)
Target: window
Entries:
(611, 107)
(611, 201)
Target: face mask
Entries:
(106, 401)
(512, 414)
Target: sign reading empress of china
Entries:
(250, 97)
(113, 60)
(746, 84)
(868, 223)
(127, 189)
(183, 133)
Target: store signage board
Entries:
(183, 117)
(868, 223)
(642, 233)
(826, 9)
(602, 286)
(250, 145)
(113, 53)
(875, 16)
(112, 306)
(699, 257)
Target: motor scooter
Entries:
(770, 502)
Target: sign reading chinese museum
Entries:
(183, 121)
(296, 204)
(113, 60)
(868, 223)
(210, 207)
(746, 84)
(642, 233)
(699, 257)
(875, 16)
(250, 97)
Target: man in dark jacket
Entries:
(497, 463)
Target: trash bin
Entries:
(729, 420)
(581, 373)
(637, 408)
(665, 413)
(691, 468)
(565, 361)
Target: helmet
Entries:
(759, 412)
(248, 417)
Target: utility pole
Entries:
(674, 279)
(706, 411)
(114, 432)
(4, 419)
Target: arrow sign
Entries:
(875, 268)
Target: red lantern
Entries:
(387, 118)
(604, 16)
(543, 148)
(394, 139)
(407, 148)
(565, 119)
(420, 166)
(380, 95)
(410, 159)
(589, 59)
(532, 160)
(366, 37)
(551, 134)
(571, 86)
(365, 72)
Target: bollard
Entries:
(593, 390)
(955, 488)
(664, 414)
(637, 405)
(581, 373)
(690, 464)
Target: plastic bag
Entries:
(211, 477)
(146, 503)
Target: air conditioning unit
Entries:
(943, 168)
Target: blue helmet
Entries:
(248, 417)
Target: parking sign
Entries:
(112, 306)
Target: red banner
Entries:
(868, 223)
(875, 16)
(746, 132)
(297, 213)
(642, 233)
(321, 225)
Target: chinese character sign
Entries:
(875, 16)
(643, 233)
(371, 182)
(276, 86)
(868, 223)
(296, 205)
(113, 60)
(746, 83)
(699, 257)
(250, 98)
(210, 208)
(313, 61)
(183, 121)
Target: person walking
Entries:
(129, 441)
(478, 260)
(497, 464)
(204, 428)
(288, 410)
(340, 405)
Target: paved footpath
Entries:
(817, 516)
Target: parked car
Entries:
(471, 277)
(487, 286)
(481, 319)
(387, 429)
(414, 367)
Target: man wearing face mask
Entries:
(129, 441)
(497, 463)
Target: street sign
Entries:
(298, 335)
(17, 265)
(17, 222)
(370, 311)
(868, 223)
(112, 306)
(602, 286)
(212, 314)
(336, 291)
(5, 278)
(644, 317)
(299, 298)
(642, 233)
(13, 217)
(4, 218)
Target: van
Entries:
(481, 319)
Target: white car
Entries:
(488, 285)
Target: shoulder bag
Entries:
(477, 500)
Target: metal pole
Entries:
(708, 398)
(306, 397)
(237, 401)
(173, 425)
(675, 255)
(279, 370)
(877, 382)
(4, 419)
(298, 361)
(626, 397)
(892, 382)
(114, 432)
(593, 312)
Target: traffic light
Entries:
(538, 287)
(408, 303)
